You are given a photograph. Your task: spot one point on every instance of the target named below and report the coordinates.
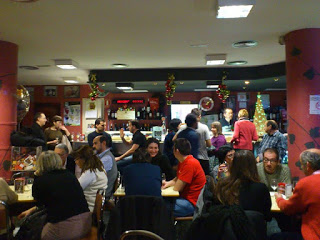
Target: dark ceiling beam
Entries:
(185, 74)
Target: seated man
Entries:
(189, 181)
(100, 144)
(271, 168)
(306, 196)
(138, 141)
(67, 160)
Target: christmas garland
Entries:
(170, 88)
(222, 91)
(94, 86)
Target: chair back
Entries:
(98, 211)
(4, 218)
(144, 233)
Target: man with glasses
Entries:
(271, 168)
(100, 127)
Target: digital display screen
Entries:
(128, 101)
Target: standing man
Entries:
(272, 139)
(100, 127)
(189, 181)
(306, 196)
(67, 161)
(138, 141)
(204, 142)
(190, 134)
(271, 168)
(100, 144)
(39, 121)
(227, 120)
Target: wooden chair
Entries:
(5, 219)
(97, 220)
(144, 233)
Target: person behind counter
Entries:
(227, 120)
(153, 147)
(39, 121)
(54, 133)
(138, 141)
(100, 127)
(60, 192)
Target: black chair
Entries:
(144, 233)
(140, 213)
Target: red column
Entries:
(303, 81)
(8, 112)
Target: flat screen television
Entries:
(181, 110)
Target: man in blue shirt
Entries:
(100, 144)
(190, 134)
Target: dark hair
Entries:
(37, 115)
(140, 156)
(191, 119)
(173, 124)
(135, 123)
(98, 120)
(196, 111)
(153, 140)
(104, 139)
(273, 124)
(272, 150)
(243, 169)
(91, 161)
(222, 152)
(183, 145)
(56, 118)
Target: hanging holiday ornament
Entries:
(170, 88)
(222, 91)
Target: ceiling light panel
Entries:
(216, 59)
(234, 8)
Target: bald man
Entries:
(306, 195)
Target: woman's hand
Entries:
(27, 212)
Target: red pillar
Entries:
(8, 112)
(303, 82)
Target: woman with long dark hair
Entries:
(156, 158)
(243, 186)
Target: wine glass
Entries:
(274, 184)
(163, 176)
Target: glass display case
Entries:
(24, 158)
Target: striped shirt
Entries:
(276, 140)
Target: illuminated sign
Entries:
(128, 101)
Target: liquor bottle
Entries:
(115, 127)
(150, 115)
(111, 127)
(138, 113)
(158, 115)
(109, 113)
(148, 106)
(112, 114)
(115, 114)
(143, 113)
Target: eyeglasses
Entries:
(270, 160)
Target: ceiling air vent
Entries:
(24, 1)
(245, 44)
(29, 67)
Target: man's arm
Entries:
(179, 185)
(166, 184)
(128, 153)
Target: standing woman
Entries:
(168, 144)
(153, 147)
(93, 176)
(244, 132)
(54, 133)
(61, 194)
(218, 138)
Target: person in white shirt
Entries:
(93, 176)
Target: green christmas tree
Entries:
(259, 118)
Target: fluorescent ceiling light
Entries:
(70, 79)
(65, 64)
(205, 90)
(119, 65)
(213, 84)
(234, 8)
(124, 86)
(215, 59)
(275, 89)
(136, 91)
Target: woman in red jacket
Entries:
(244, 132)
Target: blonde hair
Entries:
(243, 113)
(218, 126)
(48, 161)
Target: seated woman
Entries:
(168, 144)
(141, 177)
(225, 155)
(54, 133)
(218, 138)
(93, 176)
(153, 147)
(60, 192)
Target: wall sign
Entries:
(315, 104)
(128, 101)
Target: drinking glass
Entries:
(294, 183)
(163, 176)
(274, 184)
(78, 136)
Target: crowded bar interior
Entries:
(160, 119)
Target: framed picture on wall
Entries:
(50, 91)
(71, 91)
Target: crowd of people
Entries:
(66, 184)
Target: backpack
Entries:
(32, 225)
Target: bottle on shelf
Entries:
(111, 127)
(138, 114)
(143, 113)
(112, 114)
(150, 115)
(164, 129)
(158, 115)
(148, 106)
(109, 113)
(115, 127)
(115, 114)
